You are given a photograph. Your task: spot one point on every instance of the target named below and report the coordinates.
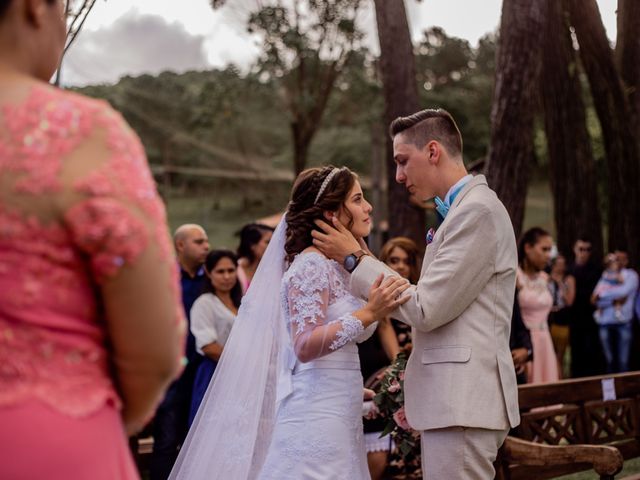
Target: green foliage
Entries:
(224, 119)
(389, 401)
(228, 121)
(307, 32)
(215, 119)
(353, 112)
(454, 76)
(442, 59)
(485, 55)
(305, 47)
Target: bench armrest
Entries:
(607, 461)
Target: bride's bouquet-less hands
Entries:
(390, 405)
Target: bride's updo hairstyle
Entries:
(308, 203)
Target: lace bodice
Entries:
(315, 298)
(534, 299)
(77, 206)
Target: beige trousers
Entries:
(459, 453)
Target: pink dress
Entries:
(243, 279)
(535, 304)
(66, 227)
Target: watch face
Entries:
(350, 262)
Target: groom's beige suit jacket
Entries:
(460, 372)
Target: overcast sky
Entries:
(149, 36)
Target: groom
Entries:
(460, 385)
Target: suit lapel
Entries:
(430, 251)
(473, 183)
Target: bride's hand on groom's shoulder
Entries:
(335, 241)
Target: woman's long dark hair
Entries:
(251, 235)
(210, 263)
(303, 209)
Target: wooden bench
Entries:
(574, 425)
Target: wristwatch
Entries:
(352, 260)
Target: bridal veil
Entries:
(230, 435)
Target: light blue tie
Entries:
(442, 208)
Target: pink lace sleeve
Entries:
(108, 233)
(88, 282)
(307, 293)
(121, 210)
(119, 221)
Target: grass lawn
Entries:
(223, 209)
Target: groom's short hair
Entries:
(426, 125)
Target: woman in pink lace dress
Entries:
(91, 327)
(535, 300)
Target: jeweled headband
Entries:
(325, 183)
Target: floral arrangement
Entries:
(389, 403)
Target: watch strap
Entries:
(360, 254)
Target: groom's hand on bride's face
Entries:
(335, 241)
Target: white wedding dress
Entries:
(318, 431)
(267, 415)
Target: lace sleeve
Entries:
(86, 236)
(116, 218)
(307, 297)
(367, 333)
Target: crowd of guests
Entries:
(563, 310)
(213, 282)
(573, 319)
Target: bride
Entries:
(286, 399)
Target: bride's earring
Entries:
(329, 216)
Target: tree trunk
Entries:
(613, 111)
(628, 55)
(572, 166)
(301, 143)
(307, 104)
(398, 71)
(517, 69)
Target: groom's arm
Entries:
(460, 270)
